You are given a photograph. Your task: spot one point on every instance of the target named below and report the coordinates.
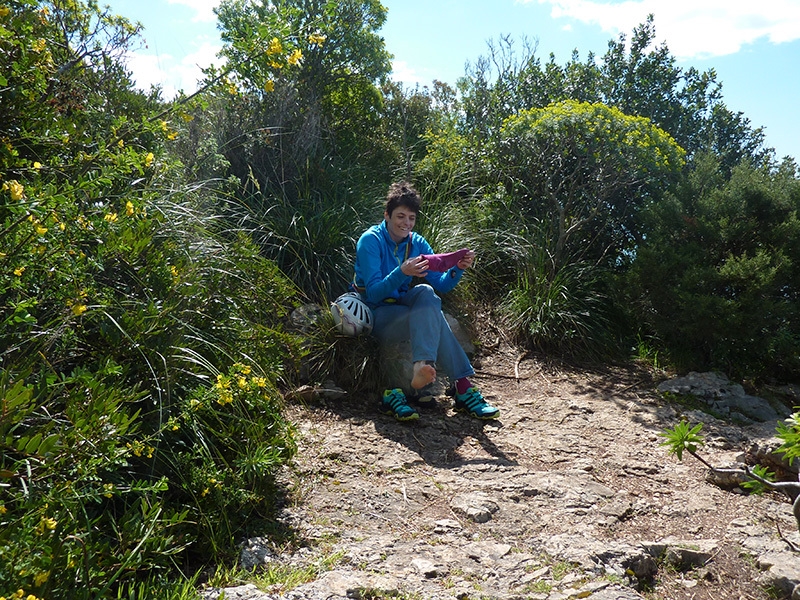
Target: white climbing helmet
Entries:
(351, 316)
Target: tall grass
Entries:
(141, 423)
(313, 238)
(562, 310)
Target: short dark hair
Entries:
(402, 193)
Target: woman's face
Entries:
(400, 223)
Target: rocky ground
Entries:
(567, 495)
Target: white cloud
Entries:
(204, 12)
(171, 75)
(691, 28)
(402, 72)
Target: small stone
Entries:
(425, 567)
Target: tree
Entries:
(643, 80)
(635, 76)
(584, 172)
(302, 86)
(717, 276)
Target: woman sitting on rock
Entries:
(388, 257)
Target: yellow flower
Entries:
(39, 45)
(205, 492)
(111, 217)
(121, 143)
(274, 47)
(164, 126)
(295, 57)
(40, 229)
(4, 10)
(241, 382)
(3, 509)
(172, 135)
(129, 208)
(46, 524)
(187, 117)
(269, 86)
(174, 270)
(275, 64)
(317, 39)
(148, 160)
(135, 447)
(260, 381)
(37, 165)
(79, 309)
(15, 188)
(19, 271)
(41, 578)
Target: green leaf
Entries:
(48, 444)
(33, 444)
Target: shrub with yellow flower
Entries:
(15, 189)
(274, 47)
(317, 39)
(295, 57)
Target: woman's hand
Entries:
(466, 262)
(415, 267)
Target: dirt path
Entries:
(552, 501)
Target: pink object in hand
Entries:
(441, 262)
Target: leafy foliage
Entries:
(682, 437)
(584, 171)
(717, 273)
(789, 433)
(308, 100)
(122, 299)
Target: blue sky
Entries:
(753, 46)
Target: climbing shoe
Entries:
(472, 402)
(423, 398)
(394, 403)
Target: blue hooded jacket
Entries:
(378, 258)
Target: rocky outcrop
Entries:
(724, 398)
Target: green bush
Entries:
(715, 279)
(119, 405)
(126, 301)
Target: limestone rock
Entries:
(475, 506)
(722, 396)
